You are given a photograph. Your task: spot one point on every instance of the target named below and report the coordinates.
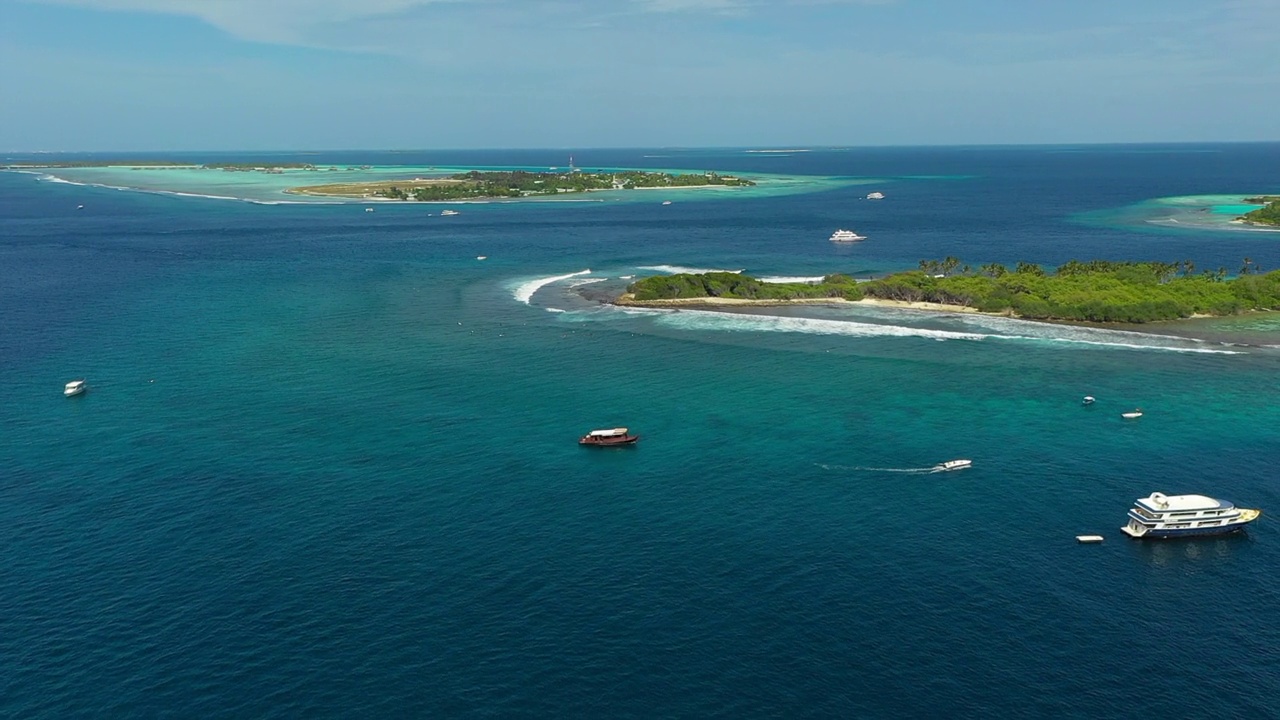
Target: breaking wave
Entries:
(789, 279)
(1024, 331)
(525, 290)
(678, 269)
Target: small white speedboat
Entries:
(75, 387)
(1088, 400)
(482, 257)
(447, 213)
(875, 196)
(1087, 539)
(666, 202)
(952, 465)
(368, 209)
(1132, 414)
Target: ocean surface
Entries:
(327, 464)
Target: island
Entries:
(1098, 291)
(1268, 214)
(475, 185)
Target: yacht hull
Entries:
(1171, 533)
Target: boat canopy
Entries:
(612, 432)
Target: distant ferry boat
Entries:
(75, 387)
(608, 438)
(1166, 516)
(846, 236)
(875, 196)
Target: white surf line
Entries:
(789, 279)
(681, 269)
(690, 319)
(524, 291)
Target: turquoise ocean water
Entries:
(327, 463)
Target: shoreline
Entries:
(628, 300)
(719, 303)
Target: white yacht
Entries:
(1166, 516)
(846, 236)
(75, 387)
(1089, 400)
(445, 213)
(952, 465)
(875, 196)
(1132, 414)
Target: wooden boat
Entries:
(612, 437)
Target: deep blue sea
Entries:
(327, 464)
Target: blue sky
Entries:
(329, 74)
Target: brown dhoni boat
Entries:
(612, 437)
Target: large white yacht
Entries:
(75, 387)
(846, 236)
(1166, 516)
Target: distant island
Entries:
(273, 168)
(1097, 291)
(1268, 214)
(475, 185)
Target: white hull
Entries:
(1170, 516)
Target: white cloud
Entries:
(298, 21)
(274, 21)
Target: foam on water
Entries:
(791, 279)
(525, 290)
(678, 269)
(1029, 331)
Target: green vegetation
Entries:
(1097, 291)
(1269, 214)
(520, 183)
(741, 287)
(250, 167)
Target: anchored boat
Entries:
(1167, 516)
(846, 236)
(75, 387)
(612, 437)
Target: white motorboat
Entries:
(1167, 516)
(368, 209)
(1088, 400)
(666, 202)
(846, 236)
(875, 196)
(446, 213)
(952, 465)
(1132, 414)
(75, 387)
(1086, 539)
(482, 257)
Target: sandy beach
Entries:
(629, 299)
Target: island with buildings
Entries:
(474, 185)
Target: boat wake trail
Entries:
(860, 468)
(524, 291)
